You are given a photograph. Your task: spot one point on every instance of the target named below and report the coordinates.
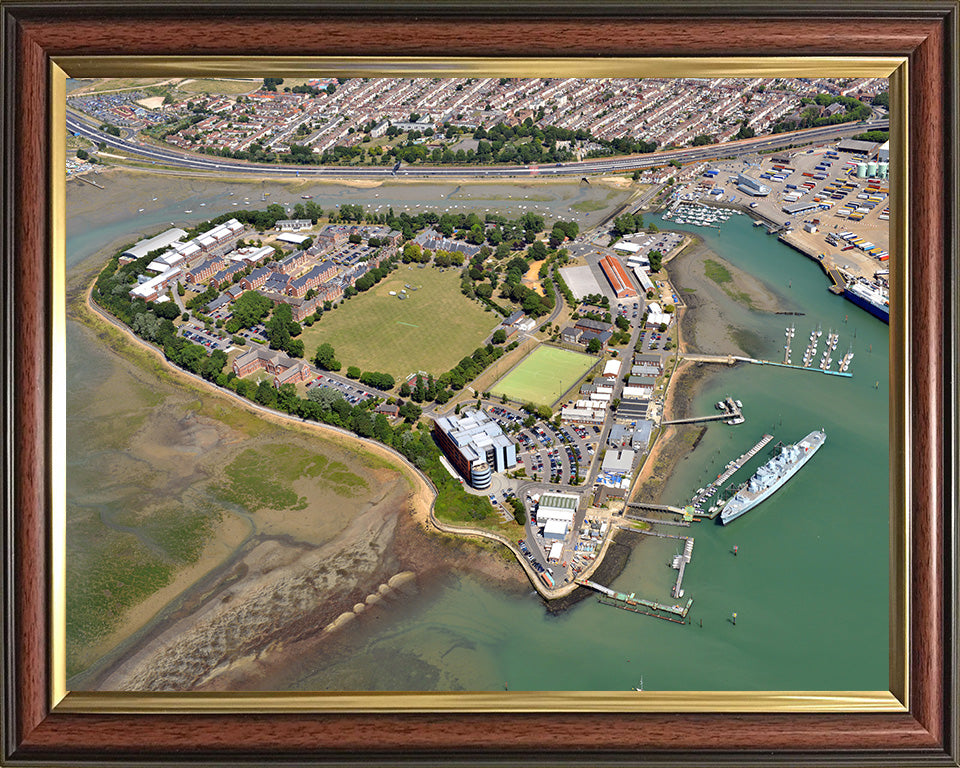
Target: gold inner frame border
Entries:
(893, 700)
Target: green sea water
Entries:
(809, 583)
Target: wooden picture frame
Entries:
(925, 731)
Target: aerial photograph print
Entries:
(477, 384)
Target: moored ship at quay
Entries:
(772, 476)
(870, 297)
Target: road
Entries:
(171, 157)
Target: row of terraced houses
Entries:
(211, 259)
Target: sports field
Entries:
(544, 375)
(431, 330)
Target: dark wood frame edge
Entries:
(926, 32)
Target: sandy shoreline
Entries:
(297, 183)
(277, 592)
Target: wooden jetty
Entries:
(680, 563)
(731, 414)
(89, 181)
(676, 613)
(655, 521)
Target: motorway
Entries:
(170, 157)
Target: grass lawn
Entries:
(431, 330)
(544, 375)
(219, 86)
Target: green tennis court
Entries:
(544, 375)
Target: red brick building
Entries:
(284, 369)
(618, 278)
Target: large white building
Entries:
(163, 240)
(475, 445)
(555, 512)
(751, 186)
(583, 415)
(153, 288)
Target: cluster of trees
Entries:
(271, 83)
(511, 288)
(152, 322)
(623, 146)
(261, 220)
(628, 223)
(161, 131)
(563, 230)
(854, 110)
(110, 128)
(622, 333)
(703, 139)
(383, 381)
(373, 276)
(248, 310)
(525, 144)
(255, 153)
(448, 258)
(112, 289)
(326, 358)
(564, 288)
(441, 388)
(596, 300)
(519, 513)
(348, 213)
(200, 300)
(282, 330)
(467, 369)
(375, 379)
(422, 390)
(549, 135)
(194, 357)
(476, 274)
(877, 136)
(312, 89)
(413, 253)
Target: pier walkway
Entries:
(655, 507)
(732, 360)
(676, 613)
(662, 535)
(812, 369)
(731, 413)
(88, 181)
(705, 493)
(680, 523)
(680, 563)
(724, 359)
(695, 419)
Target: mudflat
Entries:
(710, 286)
